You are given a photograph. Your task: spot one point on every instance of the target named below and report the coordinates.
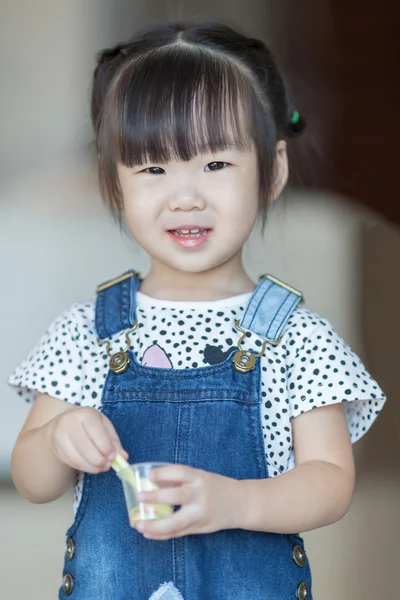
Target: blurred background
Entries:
(336, 236)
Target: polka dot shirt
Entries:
(311, 367)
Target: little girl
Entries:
(194, 364)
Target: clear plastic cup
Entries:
(138, 480)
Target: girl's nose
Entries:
(186, 200)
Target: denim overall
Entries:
(208, 418)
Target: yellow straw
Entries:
(123, 470)
(119, 463)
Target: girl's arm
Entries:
(318, 491)
(315, 493)
(37, 474)
(57, 440)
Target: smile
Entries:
(189, 233)
(190, 237)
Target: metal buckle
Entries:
(287, 287)
(112, 282)
(119, 362)
(245, 361)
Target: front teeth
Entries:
(190, 232)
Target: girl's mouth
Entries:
(188, 233)
(190, 237)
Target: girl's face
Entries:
(193, 216)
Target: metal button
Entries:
(68, 584)
(303, 591)
(299, 556)
(70, 548)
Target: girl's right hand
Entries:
(85, 439)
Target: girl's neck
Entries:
(224, 281)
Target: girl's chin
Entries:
(192, 263)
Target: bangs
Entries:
(176, 102)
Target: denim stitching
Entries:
(285, 318)
(258, 305)
(249, 306)
(276, 314)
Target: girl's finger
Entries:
(87, 449)
(163, 537)
(175, 496)
(74, 458)
(98, 437)
(174, 474)
(168, 527)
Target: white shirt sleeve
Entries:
(54, 366)
(326, 371)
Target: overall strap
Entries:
(267, 312)
(116, 304)
(270, 307)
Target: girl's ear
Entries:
(281, 170)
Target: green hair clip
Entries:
(295, 118)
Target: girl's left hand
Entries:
(209, 502)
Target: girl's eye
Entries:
(155, 171)
(215, 166)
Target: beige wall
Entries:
(57, 242)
